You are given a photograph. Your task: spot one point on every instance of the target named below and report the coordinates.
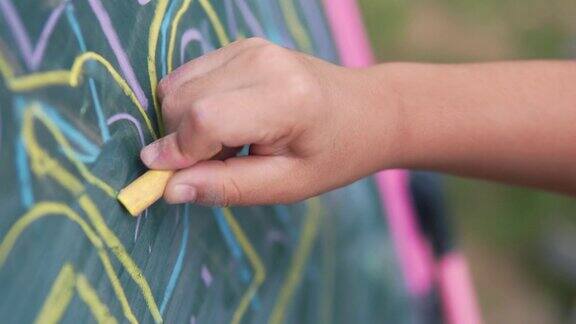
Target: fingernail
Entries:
(150, 153)
(183, 193)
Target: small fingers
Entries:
(229, 120)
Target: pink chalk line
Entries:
(32, 57)
(206, 276)
(190, 35)
(112, 37)
(131, 119)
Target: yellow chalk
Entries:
(144, 191)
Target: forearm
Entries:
(512, 122)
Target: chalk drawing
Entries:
(169, 34)
(32, 57)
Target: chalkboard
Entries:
(76, 106)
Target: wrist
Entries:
(419, 100)
(388, 115)
(379, 118)
(394, 105)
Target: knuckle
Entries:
(182, 149)
(235, 42)
(168, 104)
(231, 192)
(255, 41)
(300, 85)
(194, 118)
(272, 51)
(162, 88)
(200, 115)
(266, 54)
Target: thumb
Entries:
(247, 180)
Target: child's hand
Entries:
(311, 126)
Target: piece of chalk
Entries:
(144, 191)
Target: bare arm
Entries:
(510, 121)
(313, 126)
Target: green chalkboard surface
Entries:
(77, 105)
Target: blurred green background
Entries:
(521, 243)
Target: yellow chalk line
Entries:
(91, 56)
(43, 209)
(39, 80)
(295, 25)
(89, 295)
(70, 78)
(308, 236)
(52, 168)
(61, 294)
(255, 262)
(215, 21)
(120, 252)
(43, 164)
(175, 23)
(152, 44)
(58, 77)
(58, 298)
(5, 69)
